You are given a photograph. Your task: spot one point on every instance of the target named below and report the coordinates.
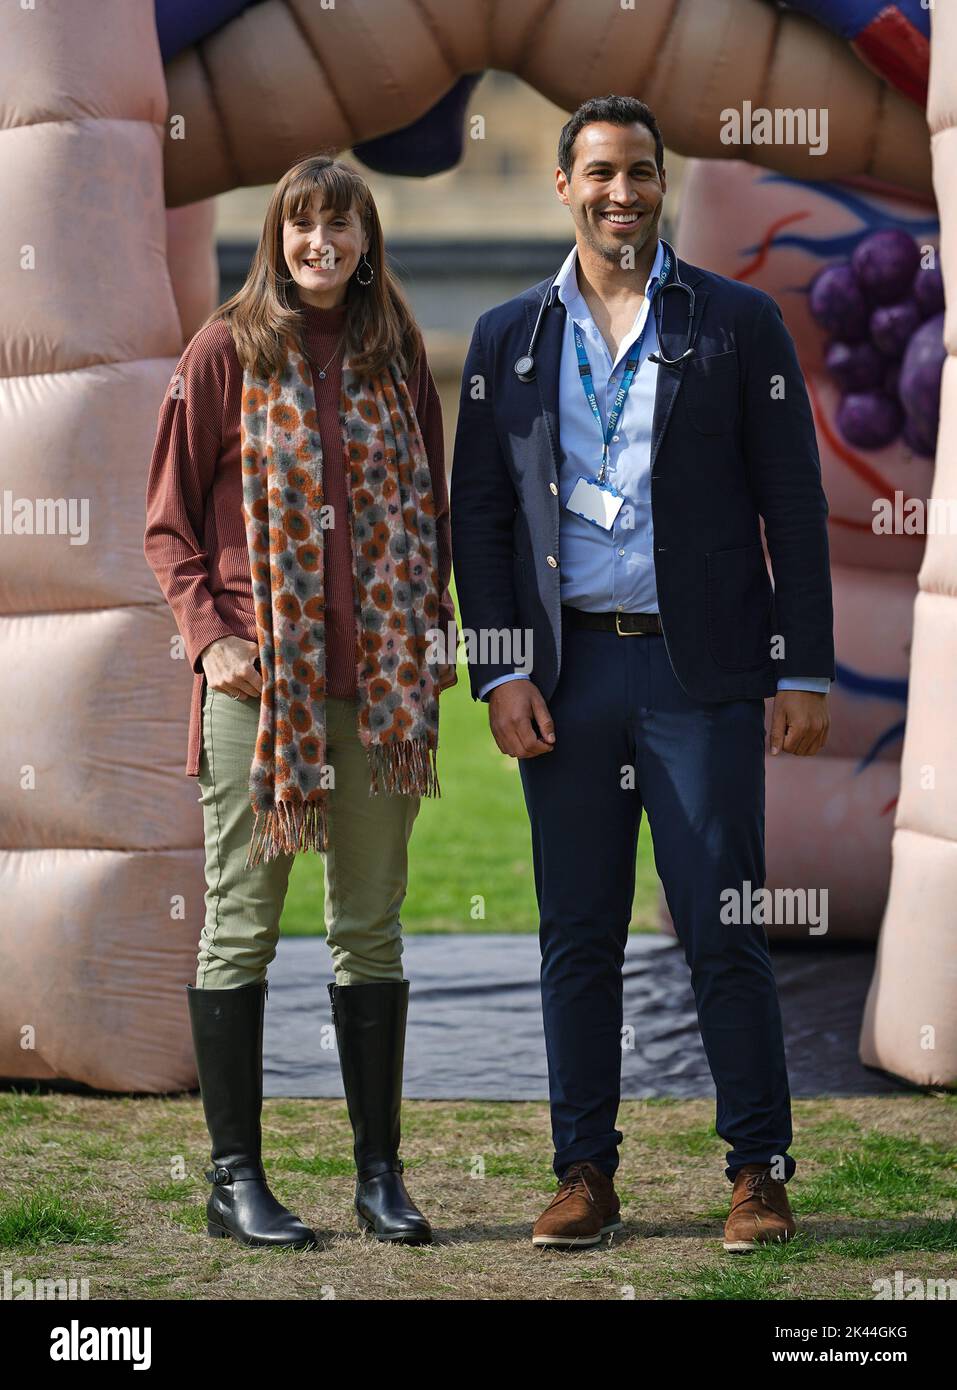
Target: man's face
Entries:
(615, 192)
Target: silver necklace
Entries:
(322, 370)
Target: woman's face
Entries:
(322, 249)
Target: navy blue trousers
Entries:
(698, 773)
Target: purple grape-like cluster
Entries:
(885, 316)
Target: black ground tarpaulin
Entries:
(475, 1026)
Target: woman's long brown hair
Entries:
(379, 324)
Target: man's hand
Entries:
(511, 708)
(228, 663)
(799, 723)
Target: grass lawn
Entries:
(111, 1190)
(471, 847)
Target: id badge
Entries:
(598, 503)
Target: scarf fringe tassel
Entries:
(285, 829)
(404, 768)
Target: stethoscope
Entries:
(525, 366)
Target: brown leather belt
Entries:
(625, 624)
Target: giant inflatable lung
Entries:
(110, 158)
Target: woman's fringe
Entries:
(286, 829)
(404, 768)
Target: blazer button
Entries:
(552, 561)
(553, 489)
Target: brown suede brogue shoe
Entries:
(584, 1209)
(760, 1210)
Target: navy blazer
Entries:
(725, 452)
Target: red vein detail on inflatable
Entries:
(761, 255)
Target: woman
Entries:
(297, 522)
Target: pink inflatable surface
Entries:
(110, 162)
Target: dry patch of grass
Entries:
(112, 1190)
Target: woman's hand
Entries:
(228, 663)
(447, 675)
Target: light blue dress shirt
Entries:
(604, 570)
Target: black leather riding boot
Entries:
(370, 1033)
(228, 1037)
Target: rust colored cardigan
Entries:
(195, 540)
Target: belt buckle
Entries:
(636, 633)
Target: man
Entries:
(606, 505)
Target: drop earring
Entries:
(368, 267)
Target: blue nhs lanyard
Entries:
(631, 367)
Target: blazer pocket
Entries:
(739, 601)
(711, 385)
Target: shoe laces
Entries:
(755, 1185)
(755, 1182)
(573, 1181)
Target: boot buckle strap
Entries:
(220, 1174)
(379, 1170)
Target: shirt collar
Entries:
(566, 288)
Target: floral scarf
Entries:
(395, 559)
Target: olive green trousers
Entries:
(366, 865)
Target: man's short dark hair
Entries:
(615, 111)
